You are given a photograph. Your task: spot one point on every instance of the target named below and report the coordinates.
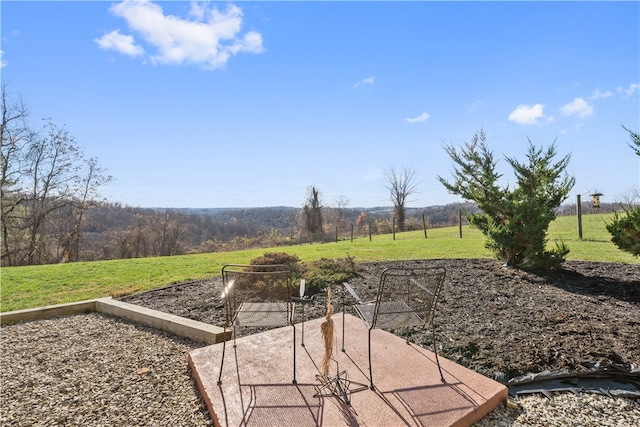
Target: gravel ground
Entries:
(95, 370)
(566, 410)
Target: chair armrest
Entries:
(352, 291)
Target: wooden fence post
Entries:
(579, 211)
(424, 225)
(393, 227)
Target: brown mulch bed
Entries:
(501, 322)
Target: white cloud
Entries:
(527, 114)
(421, 118)
(578, 107)
(475, 105)
(597, 94)
(209, 37)
(367, 81)
(3, 63)
(633, 87)
(120, 43)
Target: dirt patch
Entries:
(500, 322)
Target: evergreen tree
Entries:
(625, 229)
(515, 222)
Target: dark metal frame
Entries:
(385, 313)
(236, 307)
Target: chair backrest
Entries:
(256, 284)
(261, 283)
(407, 296)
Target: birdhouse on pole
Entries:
(595, 200)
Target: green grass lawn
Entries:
(26, 287)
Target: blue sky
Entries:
(247, 104)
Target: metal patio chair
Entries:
(406, 297)
(257, 296)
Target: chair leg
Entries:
(371, 386)
(343, 313)
(224, 346)
(435, 351)
(294, 354)
(343, 350)
(303, 320)
(234, 336)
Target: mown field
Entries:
(35, 286)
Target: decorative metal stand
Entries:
(339, 386)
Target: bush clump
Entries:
(320, 273)
(279, 258)
(317, 274)
(625, 231)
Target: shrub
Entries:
(318, 274)
(279, 258)
(625, 231)
(274, 258)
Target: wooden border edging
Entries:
(80, 307)
(197, 331)
(188, 328)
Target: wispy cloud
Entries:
(527, 114)
(597, 94)
(120, 43)
(3, 63)
(369, 81)
(209, 37)
(421, 118)
(633, 87)
(578, 108)
(475, 105)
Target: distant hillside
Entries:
(114, 231)
(284, 217)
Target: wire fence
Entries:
(590, 227)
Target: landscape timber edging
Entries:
(187, 328)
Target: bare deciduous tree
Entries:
(401, 186)
(166, 230)
(342, 203)
(43, 188)
(312, 213)
(15, 137)
(51, 172)
(86, 194)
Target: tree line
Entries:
(114, 231)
